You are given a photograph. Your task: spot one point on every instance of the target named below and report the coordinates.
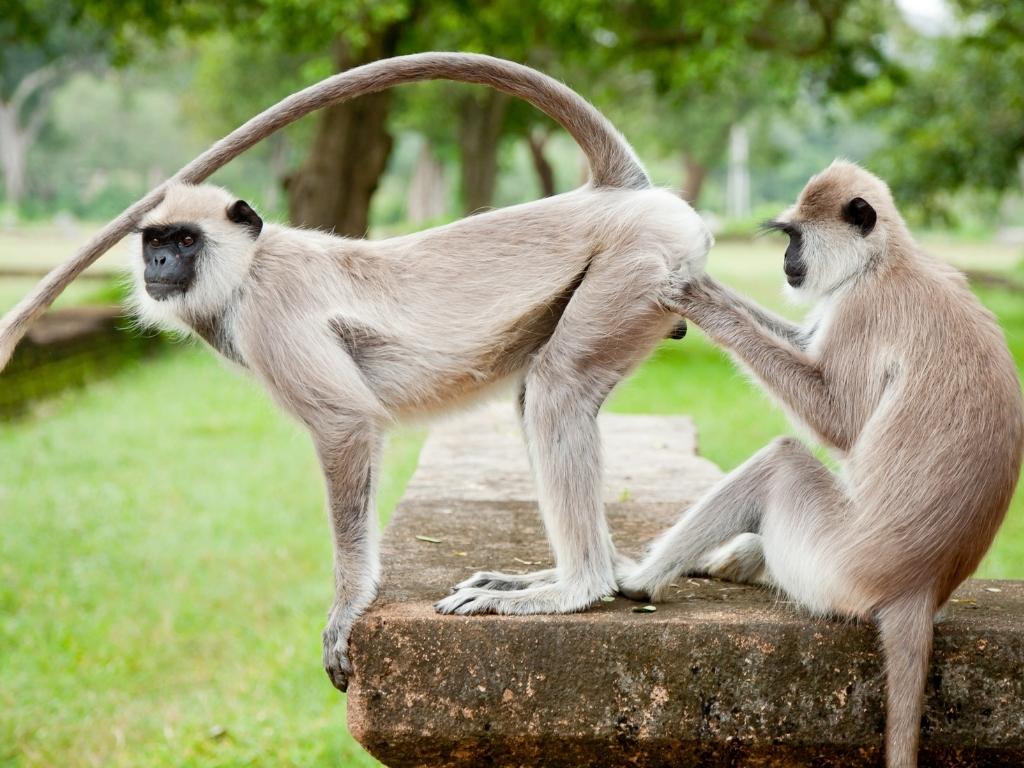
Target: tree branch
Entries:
(34, 81)
(35, 121)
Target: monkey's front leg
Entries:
(787, 372)
(767, 320)
(347, 454)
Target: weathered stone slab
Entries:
(480, 456)
(66, 348)
(720, 675)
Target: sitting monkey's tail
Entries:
(613, 163)
(906, 629)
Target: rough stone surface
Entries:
(719, 675)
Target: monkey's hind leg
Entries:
(770, 521)
(507, 581)
(703, 538)
(612, 322)
(741, 559)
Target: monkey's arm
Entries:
(317, 380)
(766, 319)
(786, 371)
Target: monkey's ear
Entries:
(240, 212)
(860, 214)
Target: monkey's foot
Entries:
(557, 597)
(624, 567)
(505, 582)
(741, 559)
(635, 590)
(640, 583)
(336, 661)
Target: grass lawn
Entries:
(165, 563)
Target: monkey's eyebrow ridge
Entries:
(774, 225)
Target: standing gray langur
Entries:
(906, 377)
(562, 296)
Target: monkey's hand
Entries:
(694, 298)
(335, 637)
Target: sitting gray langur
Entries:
(906, 377)
(562, 295)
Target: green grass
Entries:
(165, 564)
(164, 572)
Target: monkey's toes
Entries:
(634, 588)
(679, 331)
(455, 603)
(336, 661)
(339, 678)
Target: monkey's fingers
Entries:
(679, 331)
(338, 678)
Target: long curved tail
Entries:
(906, 629)
(612, 161)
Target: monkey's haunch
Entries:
(612, 162)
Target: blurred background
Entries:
(164, 560)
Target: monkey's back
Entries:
(459, 308)
(937, 462)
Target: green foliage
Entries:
(86, 168)
(39, 33)
(958, 123)
(937, 117)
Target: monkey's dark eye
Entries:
(187, 240)
(154, 241)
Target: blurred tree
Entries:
(556, 36)
(41, 44)
(705, 64)
(427, 196)
(713, 65)
(351, 143)
(110, 138)
(221, 98)
(958, 122)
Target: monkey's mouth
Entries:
(795, 273)
(162, 289)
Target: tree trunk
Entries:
(334, 187)
(13, 149)
(278, 163)
(537, 141)
(481, 120)
(696, 173)
(738, 182)
(21, 118)
(427, 199)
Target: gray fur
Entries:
(908, 380)
(562, 295)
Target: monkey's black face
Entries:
(170, 253)
(793, 265)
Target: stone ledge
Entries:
(67, 348)
(721, 674)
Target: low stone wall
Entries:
(720, 675)
(67, 348)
